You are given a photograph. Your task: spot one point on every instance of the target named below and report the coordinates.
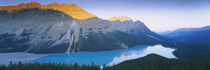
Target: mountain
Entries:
(63, 28)
(69, 9)
(120, 18)
(191, 42)
(190, 35)
(136, 28)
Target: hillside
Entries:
(156, 62)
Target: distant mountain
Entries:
(136, 28)
(60, 28)
(120, 18)
(190, 35)
(191, 42)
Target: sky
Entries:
(158, 15)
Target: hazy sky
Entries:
(158, 15)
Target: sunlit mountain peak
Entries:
(120, 18)
(70, 9)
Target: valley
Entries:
(61, 36)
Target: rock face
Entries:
(136, 28)
(70, 9)
(50, 30)
(20, 7)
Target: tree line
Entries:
(48, 66)
(137, 64)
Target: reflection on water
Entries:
(133, 54)
(107, 57)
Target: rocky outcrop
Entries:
(70, 9)
(21, 6)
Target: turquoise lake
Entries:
(107, 57)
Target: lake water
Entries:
(107, 57)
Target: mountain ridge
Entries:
(44, 31)
(70, 9)
(192, 42)
(120, 18)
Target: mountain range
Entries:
(190, 35)
(65, 28)
(192, 42)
